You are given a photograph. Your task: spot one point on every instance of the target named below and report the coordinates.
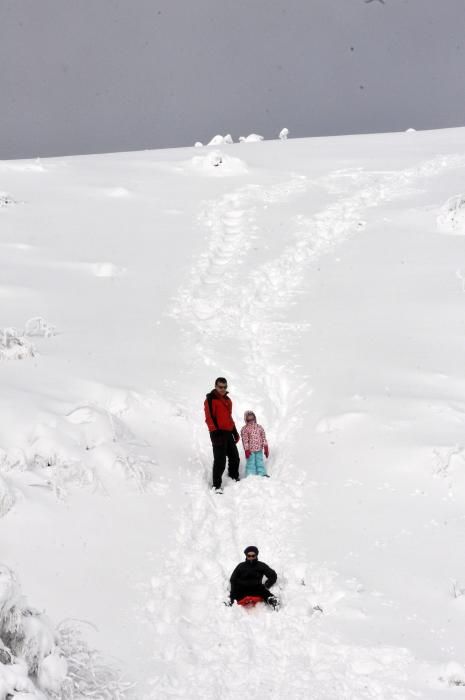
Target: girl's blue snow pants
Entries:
(255, 464)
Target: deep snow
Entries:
(325, 279)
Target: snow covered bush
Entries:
(458, 590)
(26, 638)
(219, 140)
(14, 346)
(88, 676)
(12, 458)
(251, 138)
(217, 163)
(451, 218)
(6, 497)
(453, 674)
(6, 200)
(36, 657)
(37, 326)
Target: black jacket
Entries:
(250, 574)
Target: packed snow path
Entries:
(238, 292)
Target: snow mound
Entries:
(25, 166)
(14, 346)
(107, 269)
(90, 446)
(117, 192)
(216, 163)
(251, 138)
(451, 218)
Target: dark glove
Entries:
(235, 435)
(266, 451)
(216, 436)
(247, 454)
(268, 583)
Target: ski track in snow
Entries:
(202, 649)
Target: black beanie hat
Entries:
(251, 549)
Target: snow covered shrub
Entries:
(87, 676)
(457, 590)
(52, 674)
(15, 684)
(138, 468)
(12, 458)
(6, 498)
(453, 674)
(34, 655)
(25, 632)
(219, 140)
(13, 346)
(451, 218)
(26, 638)
(215, 162)
(6, 200)
(251, 138)
(38, 327)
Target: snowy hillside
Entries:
(325, 278)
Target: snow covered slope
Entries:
(325, 279)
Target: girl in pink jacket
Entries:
(254, 442)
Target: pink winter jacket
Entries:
(253, 436)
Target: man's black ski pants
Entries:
(226, 448)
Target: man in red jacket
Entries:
(223, 433)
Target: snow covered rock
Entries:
(198, 144)
(451, 218)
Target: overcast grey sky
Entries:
(83, 76)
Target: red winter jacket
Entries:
(221, 412)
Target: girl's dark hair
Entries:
(220, 380)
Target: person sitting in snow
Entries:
(247, 579)
(223, 433)
(254, 442)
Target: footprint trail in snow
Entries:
(208, 651)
